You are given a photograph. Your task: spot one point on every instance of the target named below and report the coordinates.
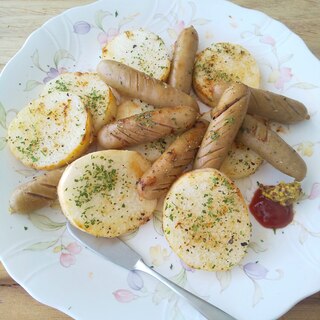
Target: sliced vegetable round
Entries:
(142, 50)
(206, 220)
(98, 193)
(50, 131)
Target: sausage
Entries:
(276, 107)
(271, 147)
(36, 194)
(156, 181)
(147, 126)
(186, 47)
(227, 119)
(136, 84)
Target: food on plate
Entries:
(206, 220)
(276, 107)
(140, 49)
(111, 192)
(50, 131)
(223, 128)
(150, 150)
(268, 145)
(156, 181)
(220, 64)
(94, 93)
(284, 193)
(98, 193)
(272, 206)
(37, 193)
(147, 126)
(135, 84)
(185, 50)
(240, 161)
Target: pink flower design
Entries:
(280, 76)
(73, 248)
(268, 40)
(105, 37)
(68, 254)
(315, 191)
(179, 26)
(67, 259)
(124, 296)
(285, 76)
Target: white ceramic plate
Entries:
(280, 269)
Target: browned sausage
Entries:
(165, 170)
(228, 117)
(36, 194)
(271, 147)
(147, 126)
(182, 63)
(136, 84)
(276, 107)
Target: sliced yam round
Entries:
(240, 162)
(142, 50)
(218, 65)
(206, 220)
(51, 131)
(98, 193)
(151, 150)
(96, 96)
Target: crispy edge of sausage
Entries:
(136, 84)
(227, 119)
(271, 147)
(37, 193)
(182, 63)
(165, 170)
(146, 127)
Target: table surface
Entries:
(18, 18)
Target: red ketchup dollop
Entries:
(269, 213)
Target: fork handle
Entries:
(206, 309)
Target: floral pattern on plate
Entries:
(37, 248)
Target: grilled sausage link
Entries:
(136, 84)
(165, 170)
(276, 107)
(147, 126)
(271, 147)
(182, 64)
(227, 119)
(36, 194)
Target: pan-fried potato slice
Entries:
(151, 150)
(222, 63)
(94, 93)
(50, 131)
(98, 193)
(206, 220)
(240, 162)
(142, 50)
